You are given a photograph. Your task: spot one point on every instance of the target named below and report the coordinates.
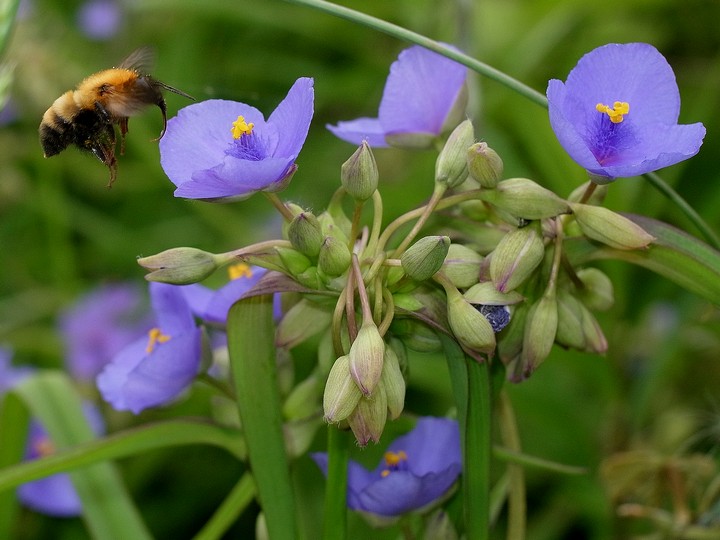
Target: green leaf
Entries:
(107, 508)
(14, 422)
(252, 359)
(230, 509)
(674, 254)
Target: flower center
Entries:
(394, 461)
(240, 127)
(616, 112)
(155, 336)
(239, 270)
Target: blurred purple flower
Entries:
(10, 375)
(99, 325)
(418, 468)
(100, 19)
(617, 113)
(154, 369)
(423, 97)
(220, 149)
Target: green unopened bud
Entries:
(310, 278)
(597, 197)
(540, 330)
(295, 210)
(294, 261)
(303, 320)
(366, 357)
(595, 341)
(610, 228)
(598, 293)
(462, 266)
(570, 326)
(425, 257)
(516, 257)
(393, 383)
(368, 419)
(341, 393)
(330, 228)
(470, 327)
(484, 165)
(486, 294)
(305, 234)
(359, 174)
(451, 167)
(439, 527)
(180, 266)
(302, 400)
(510, 343)
(334, 257)
(523, 198)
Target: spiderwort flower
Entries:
(617, 113)
(423, 96)
(100, 19)
(155, 368)
(418, 469)
(219, 149)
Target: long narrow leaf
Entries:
(14, 422)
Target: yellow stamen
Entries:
(240, 127)
(617, 112)
(155, 336)
(239, 270)
(44, 447)
(392, 460)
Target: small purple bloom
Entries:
(617, 113)
(9, 374)
(418, 468)
(100, 19)
(154, 369)
(421, 99)
(99, 325)
(219, 149)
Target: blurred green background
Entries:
(62, 232)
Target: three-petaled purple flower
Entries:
(424, 95)
(154, 369)
(219, 149)
(418, 469)
(617, 113)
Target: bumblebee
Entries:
(86, 116)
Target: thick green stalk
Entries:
(335, 517)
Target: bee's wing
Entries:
(140, 60)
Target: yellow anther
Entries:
(393, 459)
(155, 336)
(385, 473)
(239, 270)
(617, 112)
(240, 127)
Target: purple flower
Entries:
(9, 374)
(154, 369)
(423, 96)
(99, 325)
(220, 149)
(617, 113)
(100, 19)
(418, 468)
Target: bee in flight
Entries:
(86, 116)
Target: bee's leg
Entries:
(103, 148)
(103, 112)
(163, 109)
(123, 123)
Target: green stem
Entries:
(517, 508)
(279, 205)
(438, 192)
(227, 513)
(335, 517)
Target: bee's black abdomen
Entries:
(56, 136)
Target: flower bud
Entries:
(341, 393)
(510, 343)
(439, 527)
(301, 402)
(485, 293)
(598, 293)
(334, 257)
(393, 383)
(416, 335)
(451, 167)
(359, 174)
(540, 330)
(368, 419)
(484, 165)
(294, 261)
(462, 266)
(366, 357)
(180, 266)
(497, 316)
(523, 198)
(570, 326)
(516, 257)
(610, 228)
(301, 321)
(330, 228)
(295, 210)
(305, 234)
(310, 278)
(425, 257)
(470, 327)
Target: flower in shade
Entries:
(154, 369)
(219, 149)
(424, 95)
(100, 19)
(417, 469)
(617, 113)
(99, 325)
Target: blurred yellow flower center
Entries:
(393, 460)
(44, 447)
(239, 270)
(616, 112)
(155, 336)
(240, 127)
